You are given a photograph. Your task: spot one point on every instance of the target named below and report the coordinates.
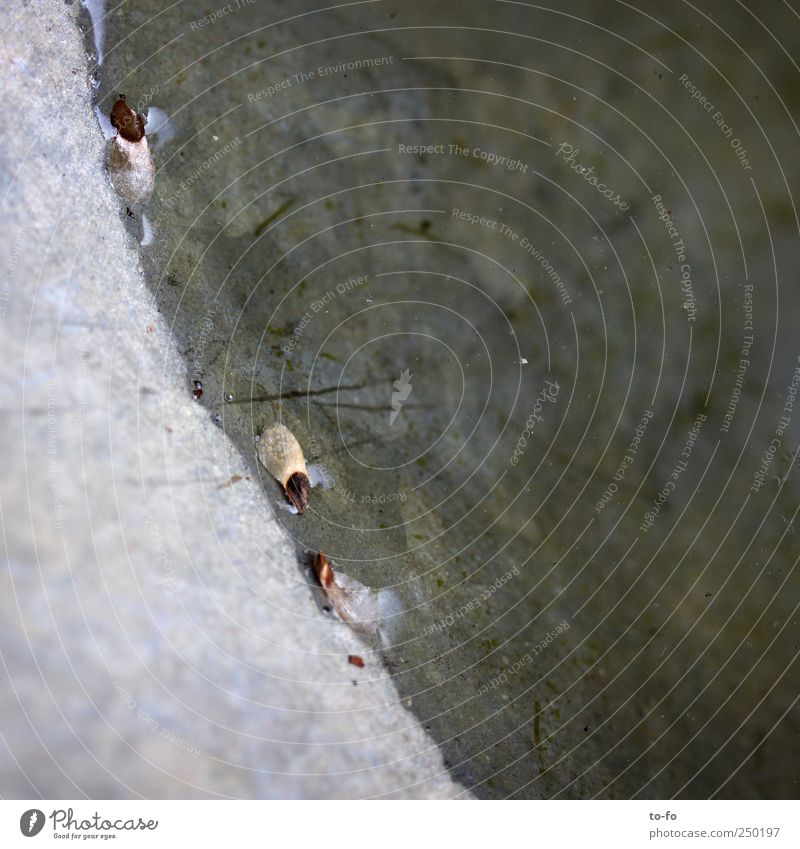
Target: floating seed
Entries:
(352, 602)
(281, 454)
(130, 163)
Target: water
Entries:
(498, 268)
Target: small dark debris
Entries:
(272, 217)
(232, 480)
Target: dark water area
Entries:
(522, 279)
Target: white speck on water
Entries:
(523, 361)
(105, 123)
(318, 475)
(389, 610)
(147, 232)
(158, 124)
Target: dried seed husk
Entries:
(130, 164)
(324, 570)
(353, 603)
(132, 170)
(281, 454)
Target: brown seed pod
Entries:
(282, 457)
(324, 570)
(129, 124)
(130, 163)
(353, 603)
